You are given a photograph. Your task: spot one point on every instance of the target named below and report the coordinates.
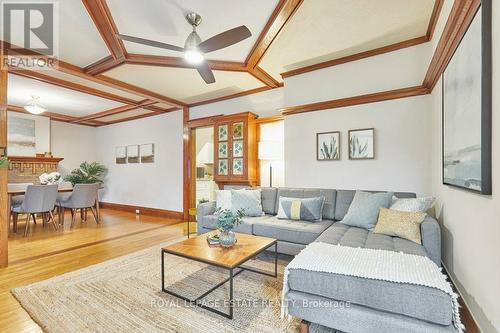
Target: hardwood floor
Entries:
(46, 253)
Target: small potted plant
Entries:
(226, 222)
(4, 162)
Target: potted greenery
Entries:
(226, 222)
(88, 173)
(4, 162)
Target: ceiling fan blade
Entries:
(206, 72)
(150, 43)
(225, 39)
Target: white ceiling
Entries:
(163, 20)
(184, 84)
(323, 30)
(56, 99)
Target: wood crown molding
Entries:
(357, 100)
(461, 16)
(235, 95)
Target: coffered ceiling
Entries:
(103, 80)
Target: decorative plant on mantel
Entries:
(4, 162)
(88, 173)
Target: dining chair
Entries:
(16, 200)
(84, 196)
(38, 199)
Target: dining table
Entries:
(14, 189)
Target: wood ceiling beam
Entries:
(438, 5)
(357, 100)
(100, 14)
(146, 115)
(163, 61)
(280, 16)
(54, 116)
(103, 65)
(223, 98)
(264, 77)
(461, 15)
(68, 68)
(114, 111)
(69, 85)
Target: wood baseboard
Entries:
(466, 315)
(143, 210)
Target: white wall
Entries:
(75, 143)
(471, 222)
(402, 140)
(155, 185)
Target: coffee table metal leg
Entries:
(162, 270)
(231, 301)
(276, 259)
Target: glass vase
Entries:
(227, 238)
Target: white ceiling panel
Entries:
(184, 84)
(164, 21)
(123, 115)
(323, 30)
(92, 84)
(56, 99)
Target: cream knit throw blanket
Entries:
(374, 264)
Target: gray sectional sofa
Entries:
(374, 306)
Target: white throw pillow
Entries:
(416, 205)
(223, 199)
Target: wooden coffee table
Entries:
(230, 259)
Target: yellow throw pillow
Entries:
(401, 224)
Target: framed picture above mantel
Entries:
(466, 108)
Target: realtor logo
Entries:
(30, 25)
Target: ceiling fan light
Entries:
(193, 56)
(34, 106)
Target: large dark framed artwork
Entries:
(466, 108)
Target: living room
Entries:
(348, 101)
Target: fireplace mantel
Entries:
(33, 159)
(27, 169)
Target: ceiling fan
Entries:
(194, 48)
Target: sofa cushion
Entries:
(269, 195)
(424, 303)
(246, 225)
(344, 199)
(365, 207)
(301, 232)
(329, 194)
(433, 305)
(247, 201)
(306, 209)
(346, 235)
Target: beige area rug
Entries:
(124, 295)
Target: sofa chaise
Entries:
(374, 306)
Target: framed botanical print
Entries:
(147, 153)
(362, 144)
(328, 146)
(466, 108)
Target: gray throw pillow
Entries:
(364, 209)
(305, 209)
(249, 201)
